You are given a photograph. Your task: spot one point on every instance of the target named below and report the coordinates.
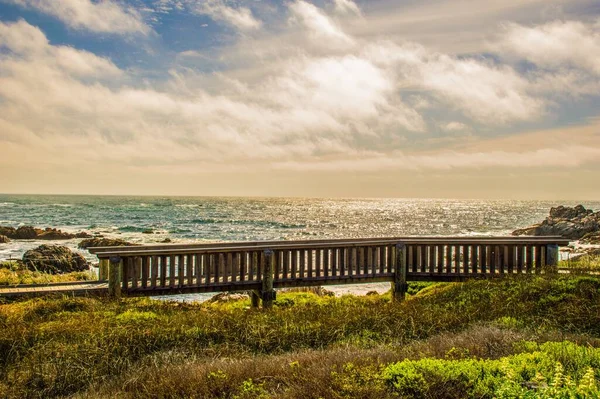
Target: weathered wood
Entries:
(551, 258)
(399, 286)
(114, 274)
(234, 268)
(268, 268)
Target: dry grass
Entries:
(301, 348)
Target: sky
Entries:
(333, 98)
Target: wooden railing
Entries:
(264, 265)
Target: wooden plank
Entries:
(360, 269)
(235, 266)
(449, 258)
(163, 270)
(375, 261)
(145, 271)
(483, 258)
(539, 261)
(227, 266)
(302, 264)
(286, 263)
(440, 259)
(106, 252)
(520, 258)
(153, 271)
(432, 258)
(125, 273)
(529, 255)
(475, 259)
(382, 260)
(172, 270)
(342, 261)
(180, 271)
(457, 259)
(206, 265)
(465, 259)
(391, 258)
(510, 258)
(501, 258)
(318, 263)
(243, 266)
(492, 258)
(294, 272)
(326, 259)
(417, 254)
(189, 271)
(311, 263)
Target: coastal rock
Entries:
(4, 239)
(33, 233)
(591, 238)
(103, 242)
(228, 297)
(54, 259)
(573, 223)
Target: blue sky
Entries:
(495, 99)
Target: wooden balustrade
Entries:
(263, 266)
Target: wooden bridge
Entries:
(262, 266)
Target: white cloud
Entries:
(321, 28)
(556, 44)
(488, 93)
(347, 7)
(106, 16)
(240, 17)
(363, 104)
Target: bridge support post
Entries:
(114, 277)
(551, 258)
(268, 268)
(399, 286)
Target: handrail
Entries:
(182, 249)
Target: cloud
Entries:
(310, 98)
(240, 17)
(320, 27)
(106, 16)
(346, 7)
(555, 45)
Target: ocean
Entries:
(211, 219)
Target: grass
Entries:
(12, 273)
(475, 337)
(582, 264)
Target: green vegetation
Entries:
(582, 264)
(535, 337)
(13, 273)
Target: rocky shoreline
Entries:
(576, 223)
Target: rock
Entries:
(54, 259)
(573, 223)
(228, 297)
(31, 233)
(591, 238)
(371, 293)
(103, 242)
(148, 231)
(167, 240)
(4, 239)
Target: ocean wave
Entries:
(133, 229)
(7, 204)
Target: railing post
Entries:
(114, 276)
(551, 258)
(399, 286)
(103, 269)
(268, 267)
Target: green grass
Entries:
(307, 346)
(583, 264)
(14, 276)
